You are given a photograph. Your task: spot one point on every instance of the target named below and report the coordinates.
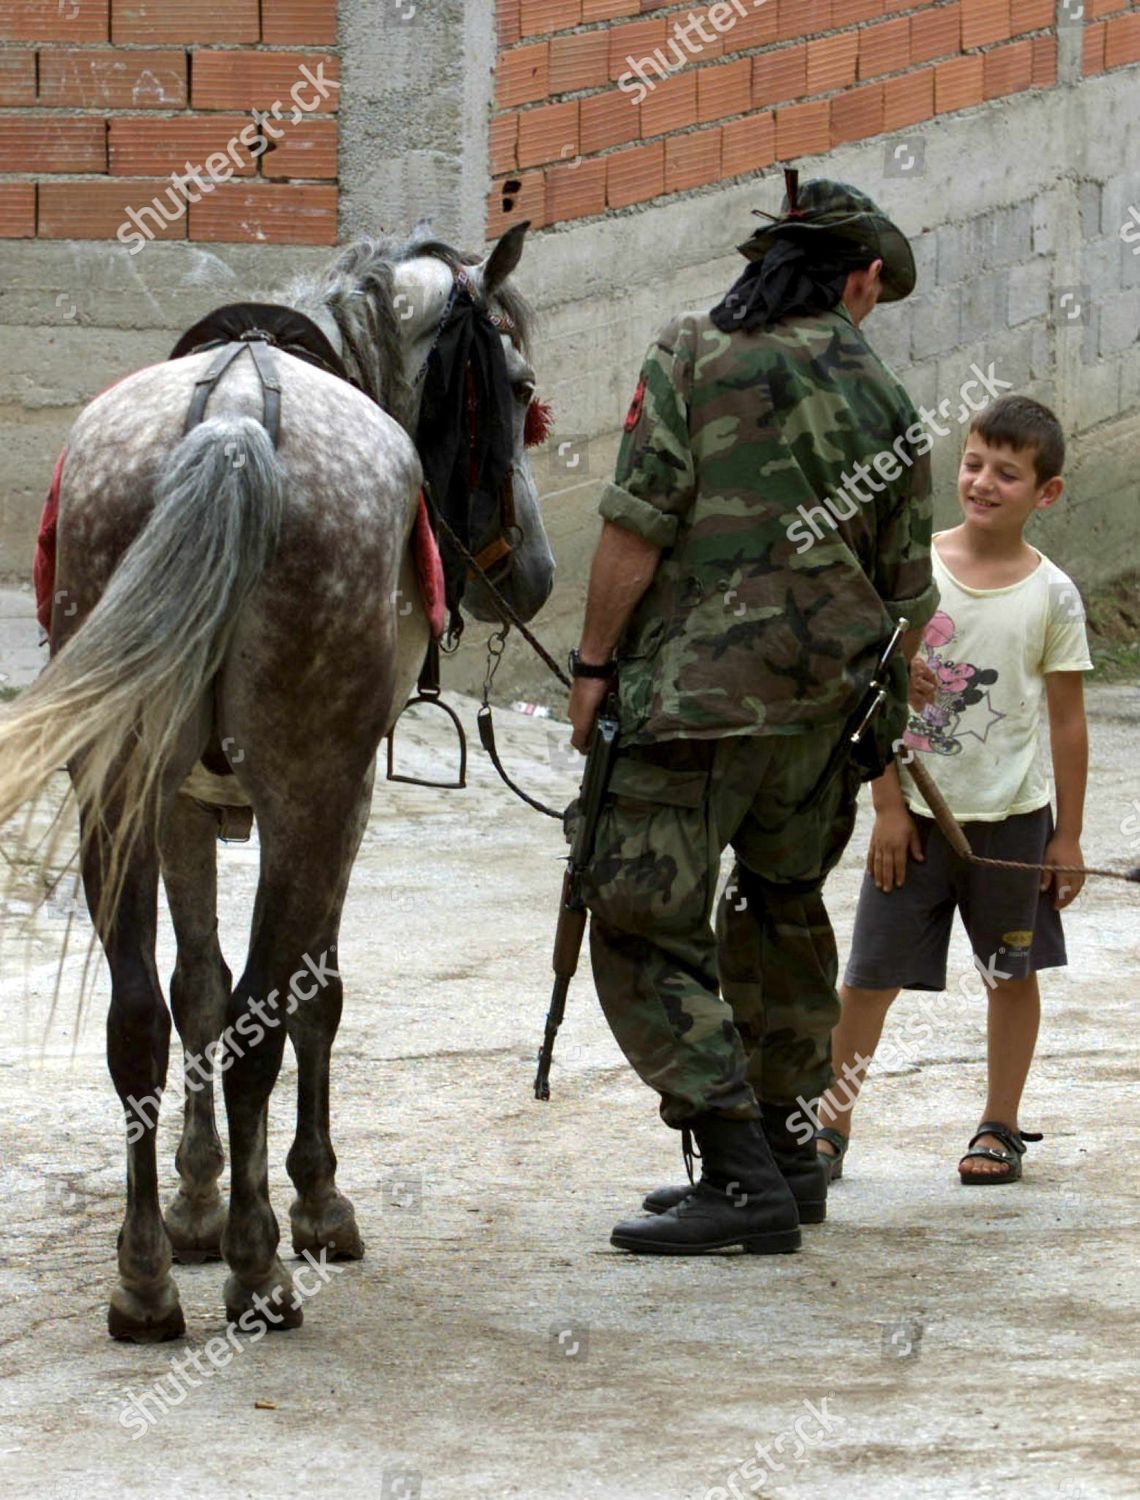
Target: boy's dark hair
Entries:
(1018, 422)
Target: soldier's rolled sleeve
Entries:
(904, 577)
(654, 481)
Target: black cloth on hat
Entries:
(798, 275)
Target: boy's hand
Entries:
(923, 684)
(1066, 888)
(894, 836)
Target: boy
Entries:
(1010, 628)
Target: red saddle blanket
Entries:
(429, 568)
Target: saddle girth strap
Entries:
(266, 373)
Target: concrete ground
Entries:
(951, 1343)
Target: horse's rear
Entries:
(221, 598)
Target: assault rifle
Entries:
(572, 912)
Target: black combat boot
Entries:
(799, 1163)
(741, 1199)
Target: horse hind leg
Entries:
(199, 995)
(321, 1217)
(292, 960)
(144, 1306)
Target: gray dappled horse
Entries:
(231, 599)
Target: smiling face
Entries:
(998, 488)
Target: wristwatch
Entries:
(580, 668)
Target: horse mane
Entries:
(356, 292)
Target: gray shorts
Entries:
(902, 937)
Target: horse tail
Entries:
(112, 703)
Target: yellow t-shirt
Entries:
(990, 649)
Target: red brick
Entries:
(548, 134)
(518, 197)
(1097, 9)
(801, 18)
(985, 21)
(936, 33)
(803, 130)
(692, 160)
(1033, 15)
(278, 213)
(607, 120)
(575, 191)
(153, 148)
(634, 176)
(908, 100)
(851, 12)
(1044, 62)
(52, 143)
(578, 61)
(857, 114)
(748, 144)
(17, 78)
(609, 10)
(49, 21)
(1008, 70)
(634, 43)
(305, 150)
(671, 106)
(292, 23)
(203, 21)
(96, 210)
(758, 29)
(958, 84)
(258, 80)
(724, 89)
(540, 17)
(507, 17)
(1092, 48)
(112, 78)
(831, 62)
(884, 48)
(17, 210)
(504, 143)
(523, 75)
(692, 43)
(1122, 41)
(779, 75)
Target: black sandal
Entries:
(1014, 1143)
(841, 1143)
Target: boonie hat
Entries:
(840, 212)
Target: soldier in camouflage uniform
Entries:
(747, 617)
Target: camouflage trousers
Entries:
(720, 1021)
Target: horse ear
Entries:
(503, 258)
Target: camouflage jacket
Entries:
(768, 606)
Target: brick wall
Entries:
(585, 122)
(102, 100)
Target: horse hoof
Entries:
(195, 1229)
(149, 1321)
(331, 1228)
(271, 1305)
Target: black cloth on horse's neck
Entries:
(800, 274)
(465, 463)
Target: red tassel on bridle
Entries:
(539, 420)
